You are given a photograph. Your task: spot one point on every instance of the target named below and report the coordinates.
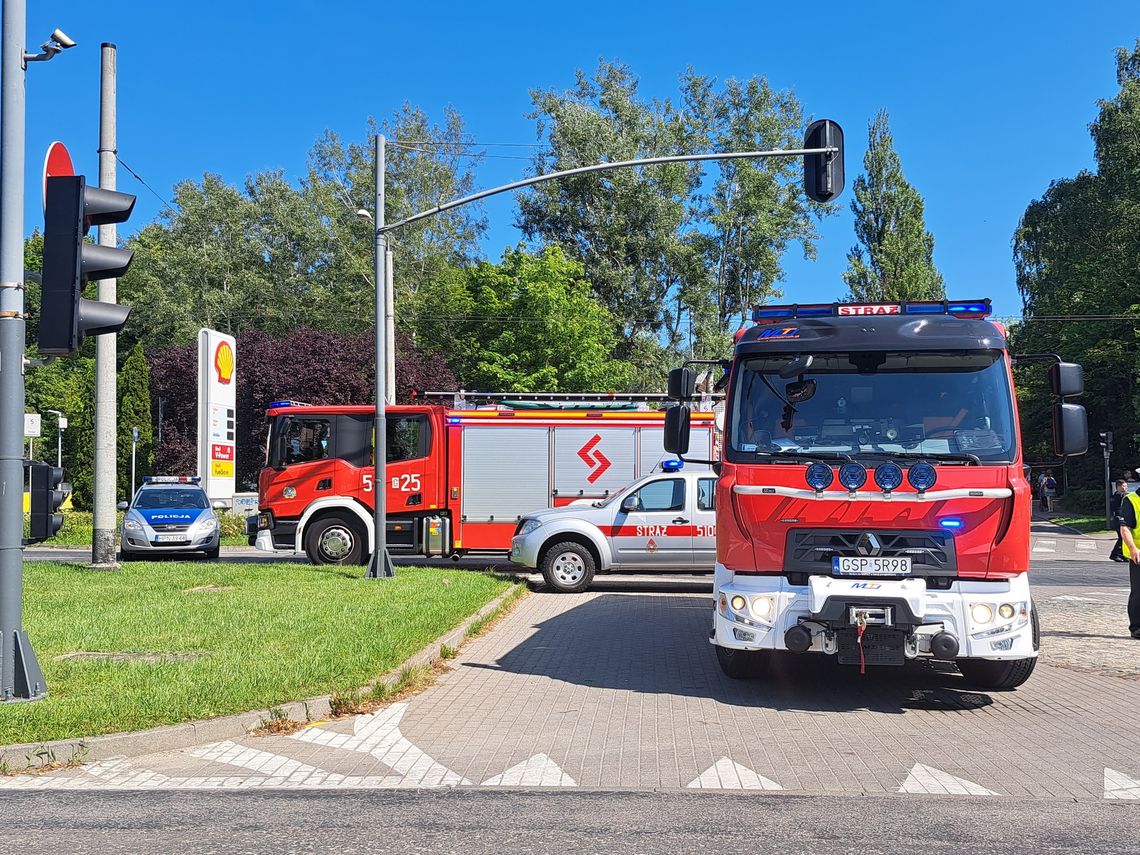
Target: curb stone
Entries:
(192, 733)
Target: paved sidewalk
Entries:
(619, 689)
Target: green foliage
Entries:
(530, 324)
(134, 411)
(894, 259)
(1076, 251)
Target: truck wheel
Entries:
(988, 674)
(742, 664)
(568, 567)
(334, 540)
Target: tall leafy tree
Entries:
(894, 259)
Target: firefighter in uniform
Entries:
(1130, 535)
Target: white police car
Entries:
(169, 515)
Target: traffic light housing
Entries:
(66, 317)
(823, 173)
(1106, 440)
(47, 493)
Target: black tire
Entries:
(212, 554)
(568, 567)
(742, 664)
(1000, 676)
(125, 556)
(335, 540)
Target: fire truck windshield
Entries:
(950, 405)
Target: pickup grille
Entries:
(811, 550)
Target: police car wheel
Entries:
(999, 675)
(334, 540)
(568, 567)
(212, 554)
(125, 556)
(742, 664)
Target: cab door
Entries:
(704, 523)
(652, 527)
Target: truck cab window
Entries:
(305, 440)
(407, 438)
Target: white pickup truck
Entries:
(665, 521)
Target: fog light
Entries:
(852, 476)
(738, 603)
(981, 614)
(762, 607)
(1006, 610)
(819, 476)
(889, 476)
(1004, 644)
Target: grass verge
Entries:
(251, 637)
(1088, 525)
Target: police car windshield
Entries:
(167, 497)
(951, 405)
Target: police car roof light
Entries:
(958, 308)
(172, 479)
(672, 465)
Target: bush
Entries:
(1084, 501)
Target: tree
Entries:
(134, 411)
(894, 259)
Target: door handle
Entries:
(679, 520)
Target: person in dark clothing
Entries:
(1130, 536)
(1114, 503)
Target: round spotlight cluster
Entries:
(922, 476)
(889, 476)
(819, 476)
(852, 475)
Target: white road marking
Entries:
(1086, 546)
(1072, 599)
(1117, 785)
(1044, 546)
(725, 774)
(935, 782)
(537, 771)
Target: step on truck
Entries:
(871, 501)
(459, 479)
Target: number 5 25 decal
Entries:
(404, 483)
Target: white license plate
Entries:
(853, 565)
(170, 538)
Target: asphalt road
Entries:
(474, 822)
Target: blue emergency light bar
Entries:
(172, 479)
(672, 465)
(958, 308)
(278, 404)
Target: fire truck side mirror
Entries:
(677, 428)
(1070, 430)
(1066, 378)
(682, 383)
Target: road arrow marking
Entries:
(725, 774)
(935, 782)
(1117, 785)
(538, 771)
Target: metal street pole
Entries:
(380, 564)
(134, 446)
(60, 424)
(20, 674)
(106, 348)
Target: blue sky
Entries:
(989, 102)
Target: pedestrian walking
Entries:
(1116, 520)
(1048, 491)
(1129, 514)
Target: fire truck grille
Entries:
(811, 550)
(167, 527)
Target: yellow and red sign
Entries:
(224, 362)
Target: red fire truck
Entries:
(459, 480)
(871, 501)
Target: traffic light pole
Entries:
(20, 675)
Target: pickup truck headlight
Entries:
(527, 526)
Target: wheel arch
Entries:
(328, 507)
(601, 560)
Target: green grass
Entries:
(273, 634)
(77, 527)
(1085, 524)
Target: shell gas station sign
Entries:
(217, 413)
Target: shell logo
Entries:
(224, 362)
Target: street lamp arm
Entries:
(602, 167)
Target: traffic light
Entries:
(72, 208)
(823, 173)
(48, 493)
(1106, 440)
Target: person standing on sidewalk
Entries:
(1129, 514)
(1048, 491)
(1115, 519)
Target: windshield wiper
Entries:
(949, 457)
(810, 455)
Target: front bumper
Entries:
(525, 548)
(143, 541)
(772, 606)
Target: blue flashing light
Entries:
(950, 523)
(761, 313)
(922, 476)
(924, 309)
(969, 308)
(453, 420)
(852, 475)
(672, 465)
(278, 404)
(889, 476)
(819, 476)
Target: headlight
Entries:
(1006, 610)
(981, 614)
(738, 603)
(527, 526)
(206, 526)
(763, 607)
(132, 525)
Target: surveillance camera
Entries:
(62, 39)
